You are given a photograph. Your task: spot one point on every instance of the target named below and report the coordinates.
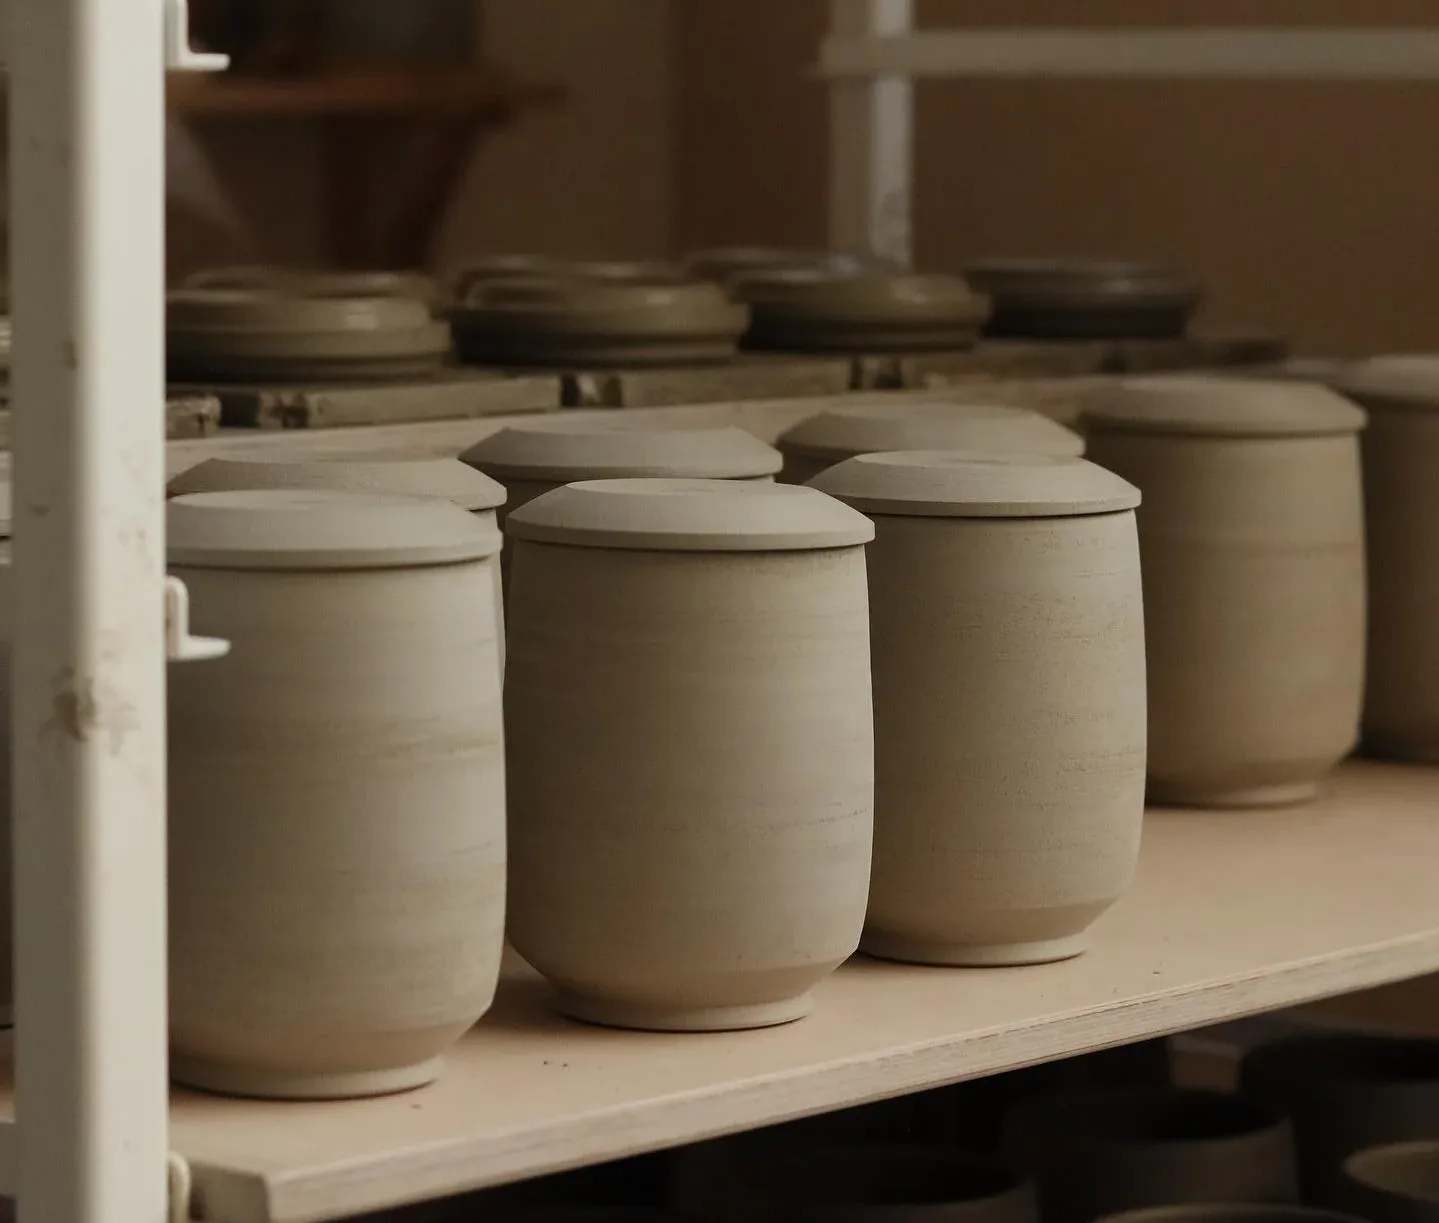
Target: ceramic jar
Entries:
(901, 1183)
(1096, 1152)
(1344, 1093)
(690, 748)
(269, 335)
(336, 792)
(398, 474)
(827, 309)
(986, 428)
(1083, 298)
(1008, 807)
(1401, 502)
(1252, 538)
(726, 263)
(537, 456)
(1394, 1184)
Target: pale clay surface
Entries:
(1009, 733)
(701, 860)
(1253, 555)
(337, 835)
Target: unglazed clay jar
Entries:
(398, 474)
(1401, 503)
(336, 792)
(1007, 630)
(542, 454)
(1097, 1152)
(900, 1183)
(587, 320)
(824, 310)
(318, 282)
(841, 433)
(1394, 1184)
(690, 748)
(1344, 1093)
(269, 335)
(1083, 298)
(1252, 538)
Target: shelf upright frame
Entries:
(870, 138)
(873, 54)
(88, 727)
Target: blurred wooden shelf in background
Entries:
(397, 139)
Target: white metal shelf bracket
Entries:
(178, 55)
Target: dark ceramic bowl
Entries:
(1344, 1093)
(900, 1183)
(1394, 1184)
(1083, 299)
(1221, 1212)
(1100, 1151)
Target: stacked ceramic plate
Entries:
(270, 335)
(1083, 298)
(588, 320)
(818, 310)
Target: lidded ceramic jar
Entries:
(1097, 1152)
(1252, 539)
(1401, 503)
(537, 456)
(1007, 633)
(396, 474)
(986, 428)
(690, 748)
(818, 309)
(1394, 1184)
(337, 840)
(267, 334)
(1344, 1093)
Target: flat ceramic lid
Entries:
(690, 516)
(866, 428)
(1042, 280)
(269, 311)
(1231, 407)
(317, 282)
(310, 529)
(663, 304)
(405, 475)
(964, 484)
(561, 449)
(1401, 380)
(870, 294)
(725, 262)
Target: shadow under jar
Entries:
(1394, 1184)
(1007, 631)
(899, 1183)
(690, 748)
(1252, 541)
(1344, 1093)
(336, 823)
(1401, 503)
(1095, 1152)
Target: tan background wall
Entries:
(1310, 207)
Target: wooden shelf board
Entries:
(1232, 914)
(358, 92)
